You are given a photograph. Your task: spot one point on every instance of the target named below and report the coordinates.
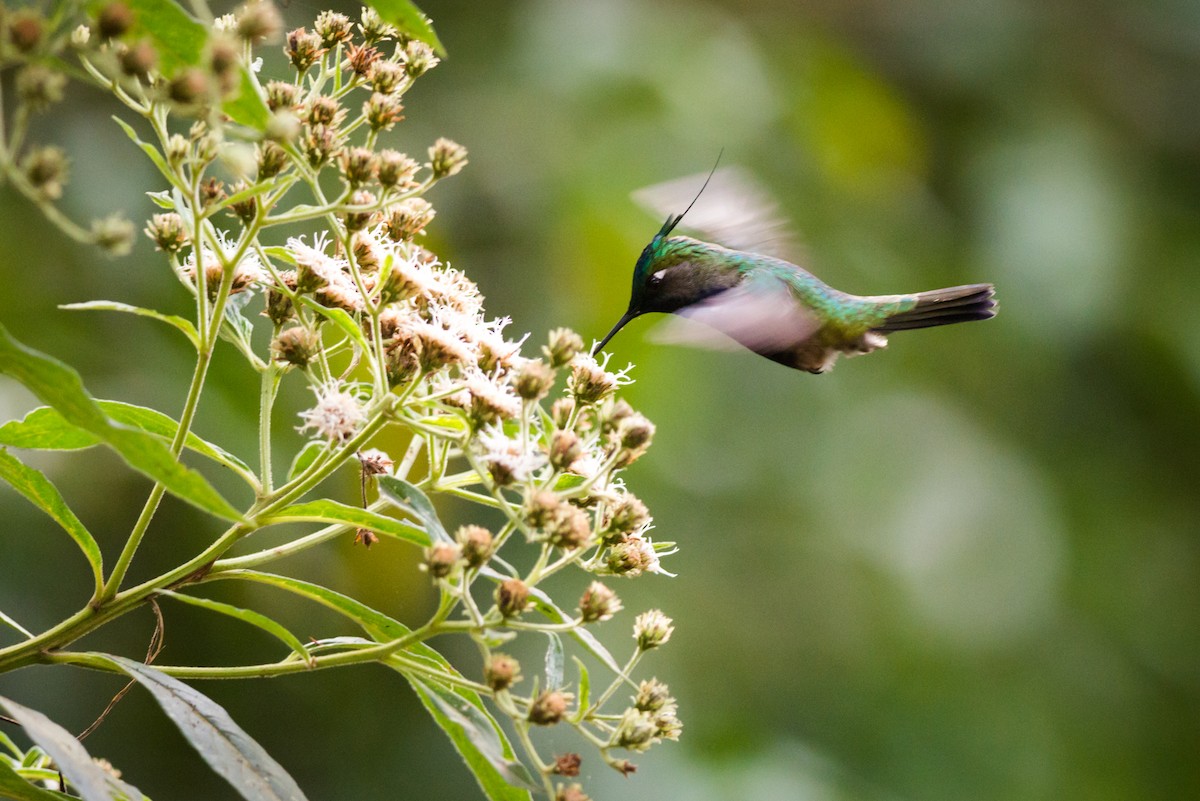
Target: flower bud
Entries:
(46, 170)
(565, 448)
(477, 544)
(224, 58)
(361, 59)
(570, 528)
(567, 765)
(652, 629)
(114, 234)
(296, 346)
(333, 28)
(258, 21)
(418, 58)
(383, 111)
(114, 20)
(357, 220)
(541, 508)
(272, 159)
(138, 59)
(39, 86)
(373, 27)
(652, 695)
(385, 77)
(501, 672)
(446, 158)
(409, 218)
(598, 604)
(635, 431)
(395, 169)
(573, 792)
(590, 382)
(188, 88)
(80, 37)
(628, 558)
(564, 344)
(168, 232)
(560, 411)
(534, 380)
(636, 730)
(625, 516)
(441, 559)
(512, 597)
(281, 95)
(303, 49)
(549, 707)
(177, 150)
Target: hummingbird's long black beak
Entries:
(629, 315)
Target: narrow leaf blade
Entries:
(555, 662)
(342, 320)
(410, 20)
(326, 511)
(59, 386)
(91, 781)
(16, 787)
(41, 493)
(246, 616)
(222, 743)
(180, 323)
(408, 496)
(478, 739)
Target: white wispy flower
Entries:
(337, 416)
(652, 557)
(249, 269)
(517, 462)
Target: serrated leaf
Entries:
(180, 323)
(410, 20)
(246, 616)
(43, 494)
(45, 429)
(477, 737)
(228, 750)
(408, 496)
(61, 387)
(305, 458)
(327, 511)
(341, 319)
(555, 662)
(16, 787)
(92, 782)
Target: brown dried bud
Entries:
(114, 20)
(570, 528)
(281, 95)
(501, 672)
(534, 380)
(303, 49)
(296, 346)
(168, 232)
(189, 87)
(446, 158)
(512, 597)
(323, 110)
(567, 765)
(477, 544)
(396, 169)
(442, 558)
(212, 192)
(359, 165)
(271, 160)
(599, 603)
(138, 59)
(224, 58)
(383, 111)
(374, 462)
(46, 169)
(365, 537)
(401, 362)
(541, 508)
(333, 28)
(258, 21)
(563, 345)
(549, 707)
(361, 58)
(245, 210)
(573, 792)
(560, 411)
(409, 218)
(358, 220)
(565, 448)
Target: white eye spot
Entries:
(658, 276)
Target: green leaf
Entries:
(45, 429)
(409, 19)
(178, 39)
(247, 107)
(341, 319)
(554, 662)
(222, 743)
(409, 497)
(326, 511)
(91, 781)
(59, 386)
(183, 325)
(584, 690)
(477, 737)
(151, 153)
(246, 616)
(304, 459)
(44, 495)
(16, 787)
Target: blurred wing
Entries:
(734, 211)
(761, 314)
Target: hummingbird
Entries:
(762, 301)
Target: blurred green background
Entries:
(967, 567)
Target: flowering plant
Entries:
(388, 339)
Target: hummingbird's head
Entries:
(647, 279)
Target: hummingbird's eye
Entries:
(657, 278)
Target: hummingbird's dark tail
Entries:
(956, 304)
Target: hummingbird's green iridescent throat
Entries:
(775, 308)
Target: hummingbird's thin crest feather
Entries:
(734, 210)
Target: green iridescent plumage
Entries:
(778, 309)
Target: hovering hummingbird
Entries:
(747, 290)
